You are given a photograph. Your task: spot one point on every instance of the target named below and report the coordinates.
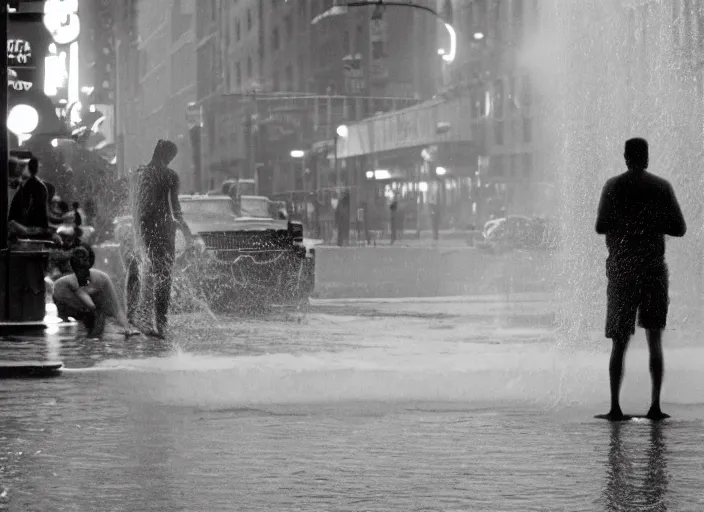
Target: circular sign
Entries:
(61, 20)
(22, 119)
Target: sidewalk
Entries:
(517, 308)
(447, 238)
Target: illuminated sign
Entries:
(19, 52)
(61, 20)
(20, 85)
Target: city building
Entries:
(287, 83)
(156, 81)
(467, 151)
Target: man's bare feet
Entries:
(616, 415)
(656, 414)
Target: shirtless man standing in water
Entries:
(157, 215)
(636, 211)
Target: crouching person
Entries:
(89, 296)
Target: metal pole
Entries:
(337, 169)
(116, 109)
(4, 173)
(4, 170)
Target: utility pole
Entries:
(4, 170)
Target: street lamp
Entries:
(298, 153)
(341, 7)
(340, 131)
(23, 119)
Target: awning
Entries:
(411, 127)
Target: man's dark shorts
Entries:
(630, 292)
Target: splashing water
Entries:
(608, 71)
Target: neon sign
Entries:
(19, 52)
(61, 20)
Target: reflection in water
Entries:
(629, 486)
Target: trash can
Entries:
(23, 268)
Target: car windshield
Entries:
(204, 208)
(257, 207)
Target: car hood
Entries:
(238, 224)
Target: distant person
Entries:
(393, 207)
(636, 211)
(158, 214)
(342, 218)
(88, 296)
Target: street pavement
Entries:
(322, 325)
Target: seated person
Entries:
(89, 296)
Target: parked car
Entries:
(243, 256)
(518, 232)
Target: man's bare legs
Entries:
(618, 353)
(657, 371)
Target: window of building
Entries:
(289, 78)
(496, 166)
(275, 39)
(249, 67)
(518, 22)
(499, 132)
(359, 38)
(527, 129)
(497, 23)
(249, 19)
(276, 80)
(526, 93)
(238, 31)
(346, 48)
(289, 27)
(528, 165)
(301, 73)
(499, 98)
(238, 75)
(479, 16)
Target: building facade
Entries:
(472, 151)
(156, 81)
(354, 64)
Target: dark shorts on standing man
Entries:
(636, 292)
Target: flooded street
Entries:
(360, 405)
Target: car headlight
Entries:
(199, 244)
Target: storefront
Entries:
(400, 154)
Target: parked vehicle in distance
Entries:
(518, 232)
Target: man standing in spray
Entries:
(157, 216)
(637, 209)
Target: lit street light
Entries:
(22, 119)
(341, 131)
(441, 171)
(298, 153)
